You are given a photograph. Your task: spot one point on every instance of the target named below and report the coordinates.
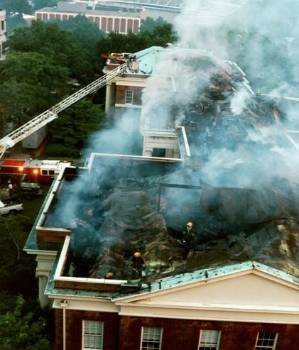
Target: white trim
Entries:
(122, 105)
(61, 263)
(218, 307)
(133, 82)
(50, 198)
(211, 315)
(192, 284)
(86, 305)
(40, 252)
(132, 157)
(186, 143)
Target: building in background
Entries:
(2, 32)
(107, 19)
(123, 17)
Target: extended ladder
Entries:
(49, 115)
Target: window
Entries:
(93, 332)
(266, 340)
(44, 172)
(159, 152)
(51, 172)
(129, 97)
(151, 338)
(209, 340)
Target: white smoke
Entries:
(263, 37)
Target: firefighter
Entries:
(187, 238)
(109, 275)
(138, 263)
(10, 188)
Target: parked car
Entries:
(30, 189)
(10, 207)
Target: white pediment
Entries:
(251, 290)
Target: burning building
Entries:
(132, 251)
(194, 248)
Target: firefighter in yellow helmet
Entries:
(187, 238)
(138, 262)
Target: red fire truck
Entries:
(41, 171)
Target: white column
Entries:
(43, 268)
(108, 98)
(42, 298)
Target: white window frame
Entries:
(131, 99)
(100, 335)
(207, 330)
(267, 347)
(142, 333)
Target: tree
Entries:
(115, 42)
(31, 82)
(17, 268)
(153, 33)
(21, 330)
(15, 21)
(61, 46)
(20, 6)
(38, 4)
(70, 133)
(87, 33)
(149, 24)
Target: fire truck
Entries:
(29, 170)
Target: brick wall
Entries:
(74, 328)
(121, 92)
(184, 334)
(123, 333)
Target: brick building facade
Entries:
(124, 333)
(184, 314)
(107, 21)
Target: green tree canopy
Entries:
(149, 24)
(29, 83)
(21, 330)
(61, 46)
(152, 33)
(88, 34)
(38, 4)
(71, 131)
(20, 6)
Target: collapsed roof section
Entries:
(122, 205)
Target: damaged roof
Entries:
(174, 281)
(121, 206)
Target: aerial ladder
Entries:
(51, 114)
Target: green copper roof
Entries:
(31, 242)
(173, 281)
(204, 274)
(148, 59)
